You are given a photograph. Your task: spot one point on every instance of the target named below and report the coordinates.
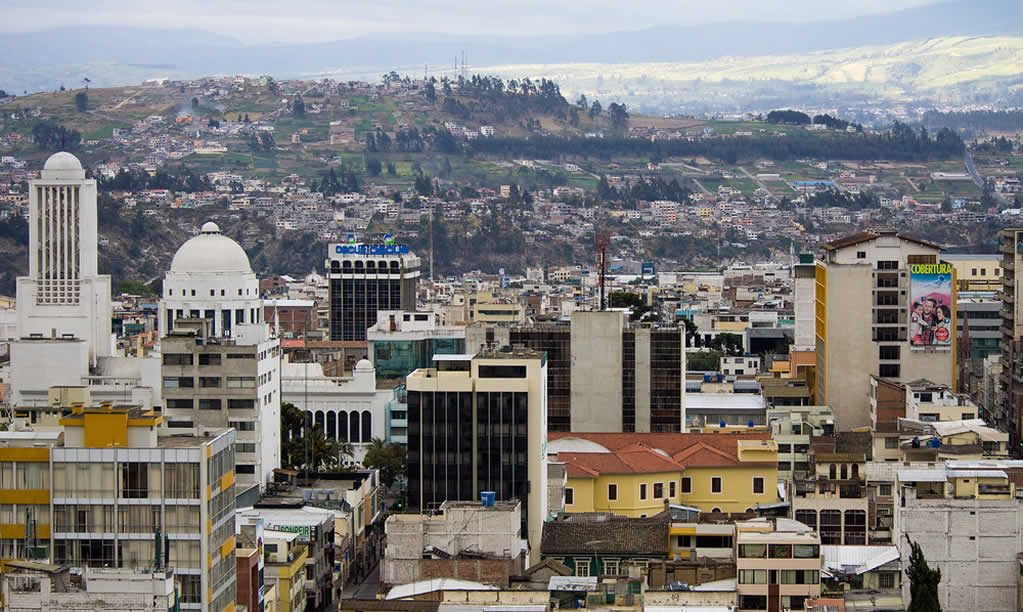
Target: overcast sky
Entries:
(256, 21)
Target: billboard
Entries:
(932, 312)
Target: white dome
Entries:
(62, 161)
(364, 365)
(210, 251)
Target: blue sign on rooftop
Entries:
(371, 249)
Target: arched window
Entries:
(808, 518)
(394, 265)
(335, 266)
(367, 426)
(382, 265)
(371, 264)
(353, 425)
(332, 425)
(855, 527)
(855, 471)
(832, 471)
(319, 420)
(358, 265)
(347, 265)
(845, 472)
(342, 426)
(715, 509)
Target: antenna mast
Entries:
(602, 239)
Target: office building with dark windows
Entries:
(365, 279)
(478, 424)
(626, 379)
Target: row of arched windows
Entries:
(354, 426)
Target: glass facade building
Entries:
(398, 358)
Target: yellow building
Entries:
(976, 272)
(493, 308)
(67, 489)
(285, 568)
(635, 474)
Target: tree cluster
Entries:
(902, 143)
(648, 189)
(835, 123)
(138, 180)
(261, 142)
(54, 137)
(826, 198)
(332, 183)
(792, 117)
(390, 458)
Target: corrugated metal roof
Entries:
(931, 475)
(862, 558)
(977, 474)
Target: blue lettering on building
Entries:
(371, 249)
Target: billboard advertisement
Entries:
(932, 322)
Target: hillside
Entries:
(949, 70)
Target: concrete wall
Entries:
(973, 542)
(596, 390)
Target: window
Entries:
(178, 382)
(888, 264)
(861, 254)
(753, 602)
(241, 404)
(177, 359)
(671, 489)
(610, 568)
(780, 551)
(805, 551)
(884, 490)
(966, 416)
(209, 359)
(715, 484)
(179, 404)
(658, 490)
(245, 468)
(753, 551)
(758, 485)
(683, 541)
(582, 567)
(179, 424)
(243, 425)
(642, 491)
(502, 371)
(753, 576)
(687, 485)
(713, 541)
(569, 496)
(891, 443)
(888, 351)
(888, 370)
(209, 404)
(886, 580)
(244, 447)
(808, 518)
(209, 382)
(612, 492)
(241, 382)
(983, 271)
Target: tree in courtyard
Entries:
(389, 458)
(923, 582)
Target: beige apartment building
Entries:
(885, 308)
(778, 563)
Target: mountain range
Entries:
(111, 55)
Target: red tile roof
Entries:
(638, 453)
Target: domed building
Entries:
(210, 278)
(221, 363)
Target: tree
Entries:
(923, 582)
(389, 458)
(271, 86)
(82, 101)
(298, 107)
(86, 81)
(619, 116)
(431, 91)
(391, 170)
(373, 167)
(595, 109)
(195, 103)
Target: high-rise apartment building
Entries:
(1007, 415)
(605, 376)
(115, 492)
(885, 307)
(221, 362)
(477, 424)
(367, 278)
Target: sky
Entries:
(261, 21)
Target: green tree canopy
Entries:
(391, 459)
(923, 582)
